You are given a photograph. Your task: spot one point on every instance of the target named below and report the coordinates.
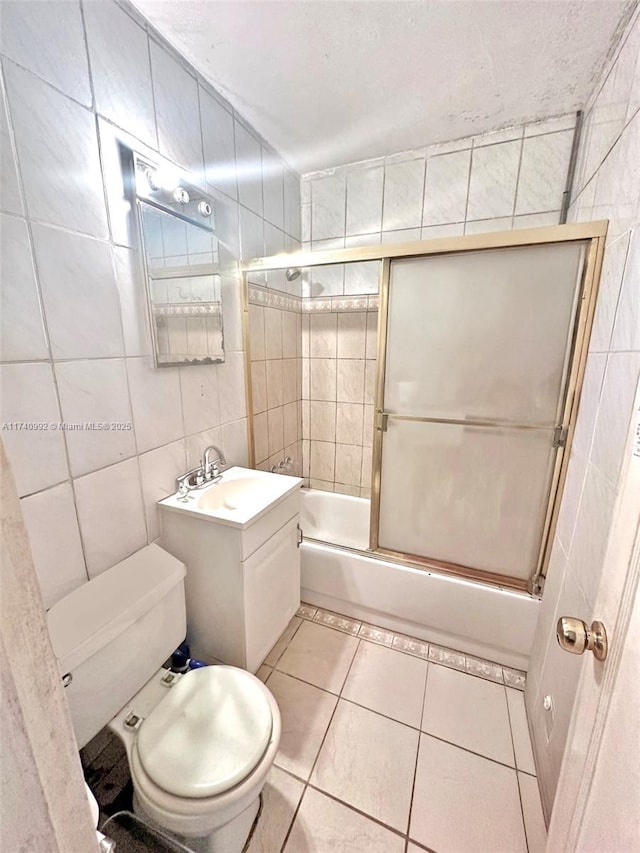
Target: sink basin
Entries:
(238, 499)
(235, 494)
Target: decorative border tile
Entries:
(514, 678)
(411, 646)
(337, 621)
(417, 648)
(340, 304)
(274, 299)
(376, 635)
(306, 611)
(269, 298)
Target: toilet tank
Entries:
(112, 633)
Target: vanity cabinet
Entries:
(243, 579)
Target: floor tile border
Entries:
(451, 658)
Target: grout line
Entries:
(415, 769)
(418, 729)
(515, 760)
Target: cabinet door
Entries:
(271, 579)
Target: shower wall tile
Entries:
(543, 169)
(57, 150)
(54, 56)
(322, 463)
(259, 386)
(348, 464)
(323, 335)
(119, 54)
(403, 194)
(403, 235)
(350, 384)
(322, 379)
(445, 197)
(477, 178)
(177, 112)
(494, 175)
(328, 206)
(364, 200)
(349, 421)
(322, 421)
(351, 335)
(48, 40)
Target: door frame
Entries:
(592, 232)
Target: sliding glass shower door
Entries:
(476, 348)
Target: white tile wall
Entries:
(58, 154)
(508, 179)
(48, 39)
(119, 55)
(175, 92)
(22, 333)
(79, 293)
(10, 196)
(75, 336)
(607, 186)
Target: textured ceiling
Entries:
(328, 83)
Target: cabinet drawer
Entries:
(269, 524)
(271, 578)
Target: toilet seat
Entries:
(208, 734)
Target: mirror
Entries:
(183, 283)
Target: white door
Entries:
(597, 805)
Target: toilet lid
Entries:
(207, 734)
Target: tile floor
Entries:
(389, 745)
(386, 750)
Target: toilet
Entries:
(200, 744)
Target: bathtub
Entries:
(482, 620)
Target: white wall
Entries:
(74, 339)
(607, 187)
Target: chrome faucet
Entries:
(209, 466)
(205, 474)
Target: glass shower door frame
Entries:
(594, 234)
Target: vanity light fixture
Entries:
(181, 196)
(162, 179)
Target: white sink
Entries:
(238, 499)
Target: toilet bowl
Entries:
(199, 745)
(199, 753)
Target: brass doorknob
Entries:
(574, 636)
